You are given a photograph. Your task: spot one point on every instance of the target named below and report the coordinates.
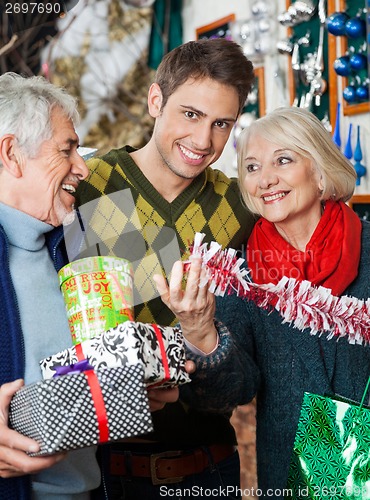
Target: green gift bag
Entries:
(331, 453)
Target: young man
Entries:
(137, 198)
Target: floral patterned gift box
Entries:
(158, 349)
(82, 409)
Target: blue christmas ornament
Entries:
(336, 134)
(355, 27)
(336, 23)
(348, 148)
(342, 66)
(349, 94)
(358, 61)
(362, 93)
(357, 156)
(360, 171)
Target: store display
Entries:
(307, 21)
(351, 60)
(298, 12)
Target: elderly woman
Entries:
(293, 176)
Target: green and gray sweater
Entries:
(129, 217)
(132, 220)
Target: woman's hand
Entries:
(194, 307)
(14, 460)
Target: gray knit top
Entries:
(260, 356)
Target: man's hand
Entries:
(159, 397)
(14, 460)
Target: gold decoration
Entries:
(131, 122)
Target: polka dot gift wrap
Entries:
(78, 410)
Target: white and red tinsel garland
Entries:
(299, 302)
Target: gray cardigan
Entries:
(258, 355)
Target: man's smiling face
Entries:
(193, 127)
(50, 179)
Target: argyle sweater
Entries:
(143, 227)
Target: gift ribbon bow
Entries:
(84, 366)
(78, 367)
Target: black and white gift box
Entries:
(82, 409)
(160, 350)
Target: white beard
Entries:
(69, 218)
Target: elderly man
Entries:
(40, 169)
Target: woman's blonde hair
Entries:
(302, 132)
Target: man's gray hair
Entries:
(26, 104)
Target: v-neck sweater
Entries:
(170, 211)
(211, 204)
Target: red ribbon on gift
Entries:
(96, 394)
(98, 400)
(79, 352)
(163, 356)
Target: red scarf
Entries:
(331, 257)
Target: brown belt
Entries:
(169, 466)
